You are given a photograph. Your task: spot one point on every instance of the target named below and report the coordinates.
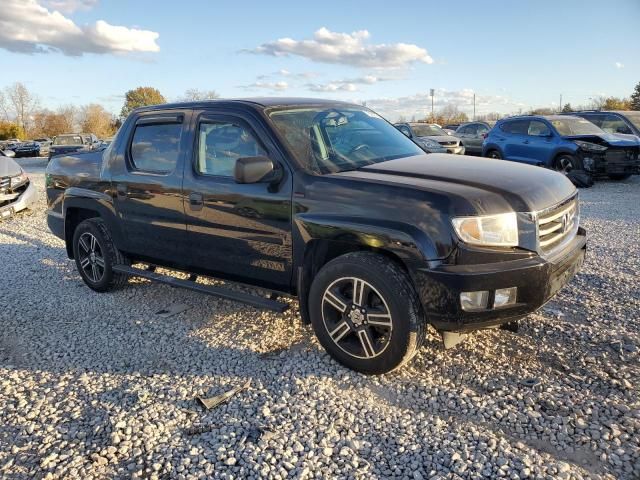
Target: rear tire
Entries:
(95, 255)
(366, 313)
(494, 154)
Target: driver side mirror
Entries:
(253, 169)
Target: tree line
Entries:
(22, 115)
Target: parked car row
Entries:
(595, 143)
(43, 147)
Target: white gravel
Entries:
(100, 386)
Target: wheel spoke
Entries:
(340, 331)
(85, 262)
(333, 300)
(379, 319)
(95, 275)
(358, 291)
(93, 243)
(83, 244)
(99, 261)
(365, 341)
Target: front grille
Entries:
(5, 182)
(558, 224)
(448, 143)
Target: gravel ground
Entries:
(101, 386)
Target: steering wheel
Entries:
(357, 148)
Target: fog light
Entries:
(505, 297)
(474, 301)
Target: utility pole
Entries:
(432, 91)
(560, 108)
(474, 107)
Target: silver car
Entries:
(431, 137)
(16, 191)
(472, 135)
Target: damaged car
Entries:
(431, 138)
(564, 143)
(16, 190)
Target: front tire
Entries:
(494, 154)
(566, 163)
(95, 255)
(366, 313)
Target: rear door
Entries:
(237, 231)
(147, 183)
(515, 134)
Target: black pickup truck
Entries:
(325, 201)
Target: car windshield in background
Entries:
(634, 117)
(68, 140)
(427, 131)
(330, 140)
(575, 126)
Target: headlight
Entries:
(590, 147)
(19, 180)
(427, 143)
(489, 231)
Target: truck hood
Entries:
(9, 168)
(481, 185)
(610, 139)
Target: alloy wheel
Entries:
(357, 317)
(565, 164)
(91, 257)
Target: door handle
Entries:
(196, 201)
(121, 191)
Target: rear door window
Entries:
(155, 147)
(537, 128)
(482, 129)
(516, 127)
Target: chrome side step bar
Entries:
(253, 300)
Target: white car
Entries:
(16, 190)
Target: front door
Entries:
(147, 180)
(237, 231)
(537, 147)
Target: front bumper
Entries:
(614, 161)
(31, 152)
(537, 279)
(16, 204)
(459, 150)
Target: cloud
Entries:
(619, 65)
(331, 87)
(347, 85)
(70, 6)
(419, 104)
(28, 27)
(347, 49)
(278, 86)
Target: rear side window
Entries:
(538, 128)
(155, 147)
(482, 129)
(519, 127)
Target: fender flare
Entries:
(99, 202)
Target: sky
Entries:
(513, 55)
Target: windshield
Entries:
(427, 130)
(68, 140)
(575, 126)
(329, 140)
(634, 117)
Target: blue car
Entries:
(563, 143)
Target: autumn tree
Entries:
(10, 130)
(94, 118)
(634, 101)
(193, 94)
(22, 103)
(140, 97)
(47, 123)
(615, 103)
